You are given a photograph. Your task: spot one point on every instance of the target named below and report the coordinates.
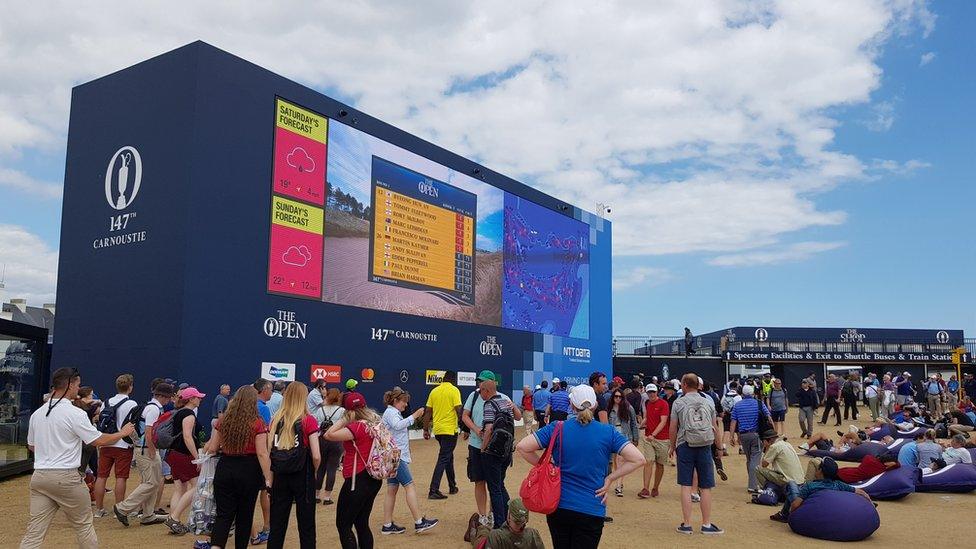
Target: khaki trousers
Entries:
(144, 496)
(764, 475)
(64, 489)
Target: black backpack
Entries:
(502, 441)
(293, 459)
(327, 422)
(848, 390)
(108, 418)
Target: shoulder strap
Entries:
(333, 413)
(117, 405)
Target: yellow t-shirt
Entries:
(443, 401)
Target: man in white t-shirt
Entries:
(147, 462)
(55, 435)
(116, 456)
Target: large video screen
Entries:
(358, 221)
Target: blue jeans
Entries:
(494, 469)
(792, 492)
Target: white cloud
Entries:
(646, 277)
(18, 180)
(707, 126)
(882, 116)
(792, 253)
(927, 58)
(31, 266)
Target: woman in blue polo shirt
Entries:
(582, 455)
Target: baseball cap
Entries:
(829, 468)
(619, 380)
(517, 511)
(583, 396)
(487, 375)
(906, 374)
(191, 392)
(650, 388)
(184, 385)
(353, 401)
(555, 380)
(748, 390)
(351, 384)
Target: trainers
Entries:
(200, 544)
(722, 475)
(618, 491)
(176, 527)
(804, 446)
(121, 516)
(392, 529)
(712, 530)
(472, 531)
(99, 513)
(684, 529)
(644, 494)
(327, 501)
(424, 525)
(654, 492)
(695, 498)
(436, 495)
(453, 490)
(261, 538)
(152, 519)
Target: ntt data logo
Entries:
(123, 176)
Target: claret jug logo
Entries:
(123, 177)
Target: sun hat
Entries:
(768, 434)
(583, 395)
(517, 511)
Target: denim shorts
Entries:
(691, 460)
(403, 476)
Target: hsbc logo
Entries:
(490, 347)
(942, 336)
(328, 373)
(762, 334)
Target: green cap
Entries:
(517, 511)
(487, 375)
(351, 383)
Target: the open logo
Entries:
(123, 177)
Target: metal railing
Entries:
(716, 346)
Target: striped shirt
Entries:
(559, 401)
(746, 414)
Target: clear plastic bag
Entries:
(204, 507)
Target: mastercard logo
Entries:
(367, 374)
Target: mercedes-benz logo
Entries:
(404, 376)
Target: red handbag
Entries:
(541, 489)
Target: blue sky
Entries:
(767, 162)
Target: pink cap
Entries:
(191, 392)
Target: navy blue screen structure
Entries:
(222, 223)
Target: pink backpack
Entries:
(384, 455)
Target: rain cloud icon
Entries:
(300, 160)
(298, 256)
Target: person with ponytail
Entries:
(582, 452)
(359, 489)
(293, 433)
(244, 469)
(396, 401)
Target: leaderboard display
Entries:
(423, 232)
(358, 221)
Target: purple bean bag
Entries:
(893, 484)
(855, 454)
(895, 433)
(972, 452)
(835, 516)
(956, 478)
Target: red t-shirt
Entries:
(527, 402)
(362, 442)
(250, 448)
(869, 467)
(654, 411)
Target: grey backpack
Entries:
(696, 421)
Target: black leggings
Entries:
(574, 530)
(236, 484)
(297, 488)
(352, 510)
(331, 456)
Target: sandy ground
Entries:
(652, 520)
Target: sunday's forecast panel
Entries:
(423, 233)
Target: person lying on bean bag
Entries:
(821, 442)
(954, 453)
(869, 467)
(825, 478)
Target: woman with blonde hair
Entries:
(294, 448)
(244, 469)
(359, 489)
(396, 401)
(331, 452)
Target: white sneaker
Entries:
(853, 429)
(99, 513)
(804, 446)
(695, 498)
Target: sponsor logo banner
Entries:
(330, 373)
(278, 371)
(434, 377)
(367, 375)
(467, 379)
(577, 354)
